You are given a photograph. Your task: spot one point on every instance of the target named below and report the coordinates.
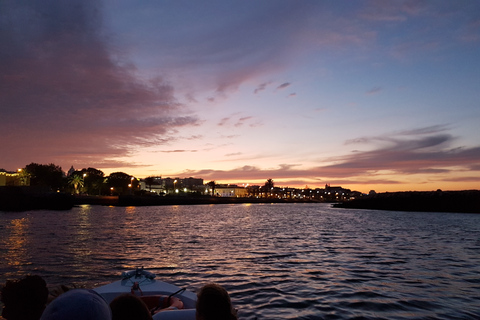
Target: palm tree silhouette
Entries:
(211, 184)
(76, 181)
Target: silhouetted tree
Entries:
(93, 180)
(212, 184)
(268, 186)
(76, 181)
(122, 183)
(46, 175)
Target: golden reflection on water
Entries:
(130, 210)
(300, 259)
(84, 225)
(16, 242)
(82, 234)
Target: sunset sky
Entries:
(381, 95)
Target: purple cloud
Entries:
(261, 87)
(77, 103)
(429, 154)
(283, 86)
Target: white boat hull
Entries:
(148, 286)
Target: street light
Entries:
(84, 184)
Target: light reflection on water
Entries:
(16, 244)
(306, 261)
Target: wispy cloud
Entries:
(261, 87)
(425, 130)
(178, 151)
(374, 90)
(223, 121)
(283, 86)
(235, 121)
(428, 153)
(242, 121)
(254, 44)
(390, 137)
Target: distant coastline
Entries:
(135, 200)
(27, 198)
(467, 201)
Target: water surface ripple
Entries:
(278, 261)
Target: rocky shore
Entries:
(467, 201)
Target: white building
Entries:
(230, 191)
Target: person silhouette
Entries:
(24, 299)
(129, 307)
(214, 303)
(78, 304)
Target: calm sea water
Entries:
(278, 261)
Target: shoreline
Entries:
(126, 201)
(16, 199)
(466, 201)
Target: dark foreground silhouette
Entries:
(467, 201)
(21, 199)
(31, 198)
(28, 198)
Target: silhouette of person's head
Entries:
(213, 303)
(129, 307)
(78, 304)
(24, 299)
